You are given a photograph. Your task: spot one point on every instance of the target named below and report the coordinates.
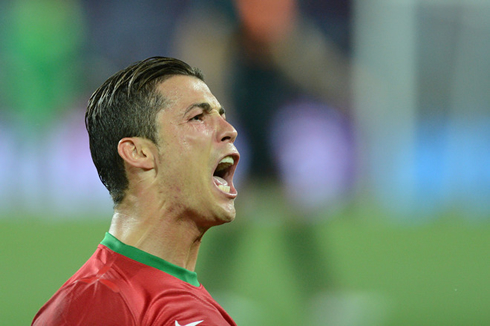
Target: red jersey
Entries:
(121, 285)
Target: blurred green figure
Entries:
(42, 42)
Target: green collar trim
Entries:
(143, 257)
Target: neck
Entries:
(167, 234)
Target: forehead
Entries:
(182, 91)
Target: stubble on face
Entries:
(188, 152)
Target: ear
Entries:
(137, 152)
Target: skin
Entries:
(172, 199)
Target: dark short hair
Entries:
(126, 105)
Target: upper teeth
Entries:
(227, 159)
(225, 162)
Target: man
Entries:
(165, 152)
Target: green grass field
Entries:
(384, 274)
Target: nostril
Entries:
(229, 136)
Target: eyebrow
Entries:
(206, 107)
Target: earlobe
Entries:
(135, 152)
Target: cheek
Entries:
(198, 142)
(187, 153)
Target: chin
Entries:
(227, 218)
(217, 216)
(226, 215)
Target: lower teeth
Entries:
(224, 188)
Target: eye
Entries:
(198, 117)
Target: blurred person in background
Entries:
(289, 87)
(41, 55)
(164, 150)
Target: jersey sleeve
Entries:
(97, 303)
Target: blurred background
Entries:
(364, 129)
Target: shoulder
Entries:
(86, 302)
(187, 307)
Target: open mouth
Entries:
(223, 174)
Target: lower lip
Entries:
(233, 194)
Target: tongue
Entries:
(220, 181)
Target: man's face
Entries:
(197, 157)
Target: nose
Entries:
(228, 132)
